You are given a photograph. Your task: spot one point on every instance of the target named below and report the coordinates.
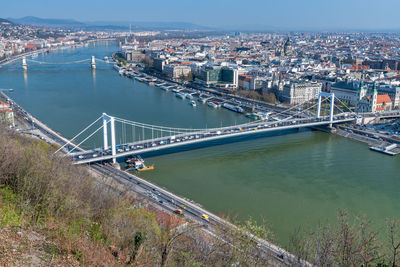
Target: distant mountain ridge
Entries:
(4, 21)
(107, 25)
(35, 21)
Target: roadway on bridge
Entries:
(204, 136)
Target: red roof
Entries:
(382, 99)
(30, 46)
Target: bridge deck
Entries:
(197, 137)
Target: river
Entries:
(292, 179)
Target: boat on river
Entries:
(180, 95)
(136, 163)
(176, 90)
(145, 168)
(237, 109)
(212, 104)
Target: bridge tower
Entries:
(106, 119)
(93, 64)
(24, 65)
(332, 105)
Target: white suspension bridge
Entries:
(92, 61)
(138, 137)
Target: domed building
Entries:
(288, 47)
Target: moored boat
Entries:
(146, 168)
(212, 104)
(176, 90)
(180, 95)
(136, 163)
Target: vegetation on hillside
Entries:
(352, 241)
(55, 213)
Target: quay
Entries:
(388, 150)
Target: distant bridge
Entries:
(147, 137)
(92, 61)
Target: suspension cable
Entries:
(85, 140)
(70, 142)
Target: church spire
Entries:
(361, 87)
(374, 90)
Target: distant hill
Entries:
(35, 21)
(4, 21)
(153, 25)
(107, 25)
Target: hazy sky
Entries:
(321, 14)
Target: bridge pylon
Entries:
(93, 63)
(24, 65)
(106, 119)
(332, 105)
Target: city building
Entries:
(300, 91)
(249, 82)
(6, 115)
(218, 74)
(349, 92)
(370, 101)
(177, 71)
(134, 56)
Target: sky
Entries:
(284, 14)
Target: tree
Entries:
(269, 97)
(172, 231)
(369, 246)
(345, 249)
(393, 232)
(300, 246)
(242, 245)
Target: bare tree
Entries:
(300, 246)
(369, 247)
(393, 231)
(172, 231)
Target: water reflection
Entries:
(26, 78)
(94, 77)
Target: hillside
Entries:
(35, 21)
(5, 22)
(59, 214)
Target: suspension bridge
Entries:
(89, 61)
(137, 137)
